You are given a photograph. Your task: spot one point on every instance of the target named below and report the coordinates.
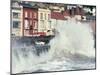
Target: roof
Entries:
(59, 15)
(29, 5)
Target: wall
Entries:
(45, 25)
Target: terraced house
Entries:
(41, 19)
(16, 21)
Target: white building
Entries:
(16, 18)
(44, 20)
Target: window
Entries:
(45, 16)
(49, 24)
(30, 22)
(41, 16)
(16, 24)
(15, 4)
(26, 14)
(35, 15)
(15, 15)
(49, 16)
(42, 24)
(30, 14)
(43, 27)
(26, 24)
(35, 25)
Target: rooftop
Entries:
(59, 15)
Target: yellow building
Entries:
(44, 20)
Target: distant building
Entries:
(36, 20)
(30, 20)
(56, 8)
(40, 19)
(44, 20)
(16, 18)
(58, 18)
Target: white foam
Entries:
(74, 37)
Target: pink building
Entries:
(30, 20)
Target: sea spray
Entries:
(72, 48)
(24, 56)
(72, 37)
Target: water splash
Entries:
(25, 56)
(73, 42)
(72, 38)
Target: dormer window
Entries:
(15, 4)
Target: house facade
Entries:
(38, 20)
(16, 20)
(30, 21)
(44, 21)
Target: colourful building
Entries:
(30, 20)
(44, 21)
(38, 20)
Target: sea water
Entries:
(72, 48)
